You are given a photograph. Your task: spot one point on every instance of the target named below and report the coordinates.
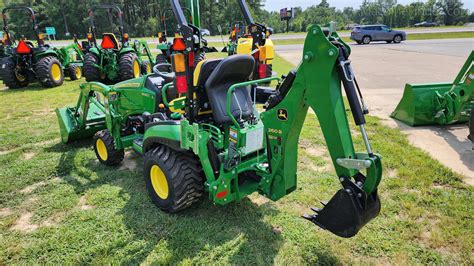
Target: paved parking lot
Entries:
(383, 69)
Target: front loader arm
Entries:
(317, 85)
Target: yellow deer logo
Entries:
(282, 114)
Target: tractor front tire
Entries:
(129, 66)
(105, 150)
(91, 72)
(173, 179)
(11, 78)
(49, 72)
(146, 67)
(75, 71)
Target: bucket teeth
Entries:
(316, 210)
(324, 203)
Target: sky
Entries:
(276, 5)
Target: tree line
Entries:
(142, 16)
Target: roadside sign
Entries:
(50, 31)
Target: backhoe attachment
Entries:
(317, 84)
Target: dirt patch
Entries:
(28, 155)
(4, 212)
(259, 200)
(277, 230)
(83, 204)
(24, 224)
(392, 173)
(53, 220)
(315, 151)
(33, 187)
(129, 162)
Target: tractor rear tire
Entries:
(49, 72)
(146, 67)
(91, 72)
(74, 71)
(161, 59)
(11, 78)
(173, 179)
(105, 150)
(129, 66)
(471, 125)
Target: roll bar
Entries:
(110, 7)
(5, 22)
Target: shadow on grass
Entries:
(36, 86)
(238, 233)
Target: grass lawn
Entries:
(58, 204)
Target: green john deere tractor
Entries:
(442, 103)
(214, 141)
(24, 62)
(113, 61)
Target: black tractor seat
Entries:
(217, 77)
(155, 83)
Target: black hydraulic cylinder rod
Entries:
(351, 91)
(246, 12)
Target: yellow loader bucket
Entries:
(439, 103)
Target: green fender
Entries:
(126, 50)
(95, 51)
(49, 52)
(162, 133)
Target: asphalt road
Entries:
(383, 70)
(302, 35)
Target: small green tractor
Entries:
(113, 61)
(212, 139)
(442, 103)
(23, 62)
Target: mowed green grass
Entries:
(58, 204)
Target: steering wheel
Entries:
(164, 70)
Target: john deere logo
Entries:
(282, 114)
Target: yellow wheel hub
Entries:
(159, 182)
(148, 69)
(136, 69)
(101, 150)
(19, 76)
(56, 72)
(78, 72)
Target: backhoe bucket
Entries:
(417, 106)
(69, 125)
(347, 211)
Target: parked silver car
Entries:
(370, 33)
